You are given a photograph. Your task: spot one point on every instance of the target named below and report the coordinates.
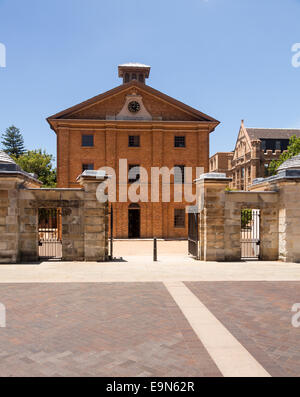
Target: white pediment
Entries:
(126, 114)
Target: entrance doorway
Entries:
(134, 221)
(250, 234)
(50, 233)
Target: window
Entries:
(179, 141)
(179, 174)
(179, 218)
(278, 145)
(87, 140)
(134, 141)
(86, 167)
(133, 173)
(133, 76)
(141, 78)
(266, 169)
(126, 78)
(274, 144)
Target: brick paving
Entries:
(124, 248)
(259, 315)
(97, 329)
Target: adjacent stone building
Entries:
(147, 128)
(254, 150)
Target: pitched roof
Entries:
(9, 167)
(292, 163)
(271, 133)
(134, 83)
(5, 158)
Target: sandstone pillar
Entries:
(289, 225)
(9, 224)
(95, 217)
(211, 200)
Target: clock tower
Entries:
(134, 71)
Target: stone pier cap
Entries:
(93, 175)
(216, 176)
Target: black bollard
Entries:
(155, 249)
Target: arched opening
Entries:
(134, 221)
(126, 79)
(141, 78)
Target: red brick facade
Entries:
(160, 120)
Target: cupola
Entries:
(134, 71)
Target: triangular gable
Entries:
(109, 104)
(242, 140)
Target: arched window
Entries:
(126, 78)
(133, 76)
(141, 78)
(133, 206)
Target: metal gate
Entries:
(193, 234)
(50, 233)
(111, 242)
(250, 234)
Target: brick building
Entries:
(221, 162)
(147, 128)
(254, 150)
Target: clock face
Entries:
(134, 107)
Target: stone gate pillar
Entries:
(9, 214)
(289, 218)
(95, 217)
(211, 202)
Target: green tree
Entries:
(292, 150)
(13, 142)
(40, 163)
(246, 218)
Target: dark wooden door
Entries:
(134, 223)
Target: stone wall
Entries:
(277, 198)
(220, 220)
(84, 221)
(289, 220)
(9, 230)
(266, 202)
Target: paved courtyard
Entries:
(133, 317)
(98, 329)
(259, 315)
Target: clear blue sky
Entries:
(228, 58)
